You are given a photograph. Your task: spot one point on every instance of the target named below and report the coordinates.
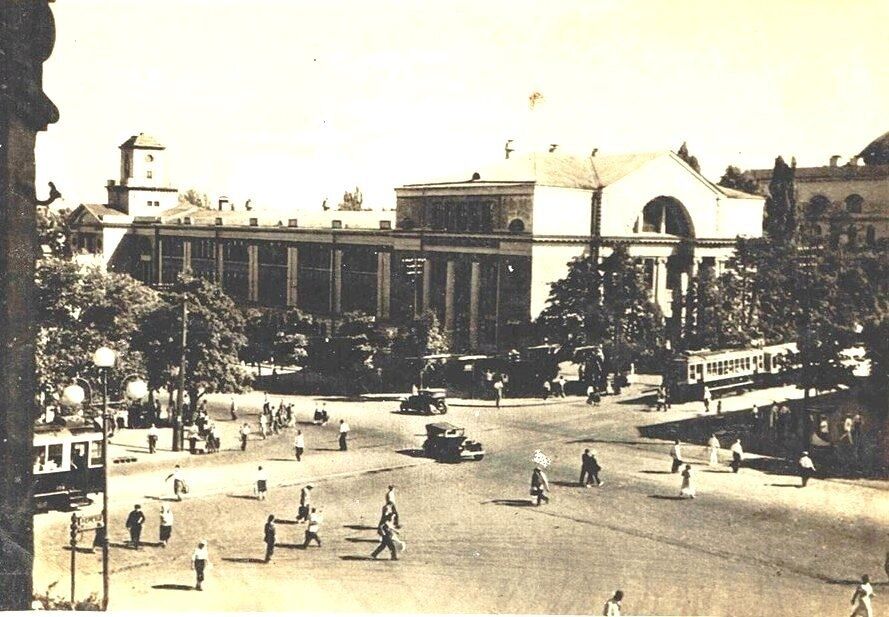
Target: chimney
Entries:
(835, 160)
(855, 161)
(248, 205)
(507, 149)
(223, 201)
(553, 147)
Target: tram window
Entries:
(39, 458)
(95, 454)
(54, 456)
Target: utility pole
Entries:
(178, 418)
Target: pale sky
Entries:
(287, 102)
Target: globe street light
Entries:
(104, 358)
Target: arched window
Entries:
(666, 215)
(817, 206)
(854, 203)
(871, 235)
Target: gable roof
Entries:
(736, 194)
(143, 141)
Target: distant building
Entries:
(481, 251)
(845, 202)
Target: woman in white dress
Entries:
(713, 448)
(861, 599)
(688, 489)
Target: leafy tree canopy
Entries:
(734, 178)
(688, 158)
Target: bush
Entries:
(47, 602)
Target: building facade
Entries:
(845, 203)
(481, 251)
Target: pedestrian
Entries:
(862, 598)
(590, 394)
(676, 456)
(344, 435)
(585, 468)
(232, 410)
(806, 469)
(595, 468)
(687, 489)
(713, 448)
(539, 486)
(166, 525)
(737, 455)
(414, 390)
(135, 520)
(262, 484)
(244, 433)
(264, 425)
(100, 538)
(313, 528)
(547, 389)
(661, 399)
(214, 438)
(179, 486)
(200, 560)
(773, 416)
(719, 407)
(560, 386)
(498, 392)
(387, 540)
(305, 498)
(612, 607)
(152, 439)
(706, 397)
(269, 535)
(324, 416)
(299, 445)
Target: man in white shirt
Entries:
(737, 455)
(299, 445)
(262, 484)
(152, 439)
(312, 530)
(200, 559)
(807, 468)
(676, 455)
(344, 434)
(305, 498)
(612, 607)
(862, 597)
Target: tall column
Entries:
(186, 256)
(384, 283)
(474, 285)
(336, 281)
(450, 279)
(427, 284)
(292, 275)
(27, 35)
(253, 273)
(220, 262)
(159, 259)
(661, 297)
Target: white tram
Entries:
(67, 466)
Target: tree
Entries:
(80, 309)
(352, 200)
(215, 338)
(53, 233)
(608, 305)
(194, 198)
(688, 158)
(422, 336)
(260, 331)
(734, 178)
(291, 343)
(781, 218)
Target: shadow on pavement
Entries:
(667, 497)
(785, 485)
(615, 441)
(300, 547)
(413, 452)
(516, 503)
(357, 558)
(245, 559)
(566, 483)
(360, 527)
(250, 497)
(716, 470)
(368, 540)
(156, 498)
(656, 472)
(173, 586)
(282, 460)
(80, 549)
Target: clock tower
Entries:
(143, 189)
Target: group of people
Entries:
(134, 523)
(554, 387)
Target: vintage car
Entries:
(446, 442)
(426, 401)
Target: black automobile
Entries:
(430, 401)
(448, 443)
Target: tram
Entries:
(730, 369)
(67, 466)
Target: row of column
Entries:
(449, 297)
(384, 276)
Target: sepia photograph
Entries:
(576, 307)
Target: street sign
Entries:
(84, 523)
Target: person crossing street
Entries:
(313, 528)
(299, 445)
(269, 537)
(344, 435)
(539, 486)
(806, 469)
(135, 520)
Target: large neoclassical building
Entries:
(481, 250)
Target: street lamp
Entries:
(104, 358)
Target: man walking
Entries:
(676, 456)
(199, 559)
(166, 524)
(152, 439)
(612, 607)
(232, 410)
(737, 455)
(269, 536)
(707, 396)
(498, 392)
(264, 424)
(244, 433)
(862, 598)
(387, 540)
(806, 469)
(389, 509)
(313, 528)
(344, 435)
(547, 389)
(179, 486)
(585, 468)
(299, 445)
(135, 520)
(305, 498)
(539, 485)
(594, 470)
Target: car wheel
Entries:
(478, 457)
(443, 409)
